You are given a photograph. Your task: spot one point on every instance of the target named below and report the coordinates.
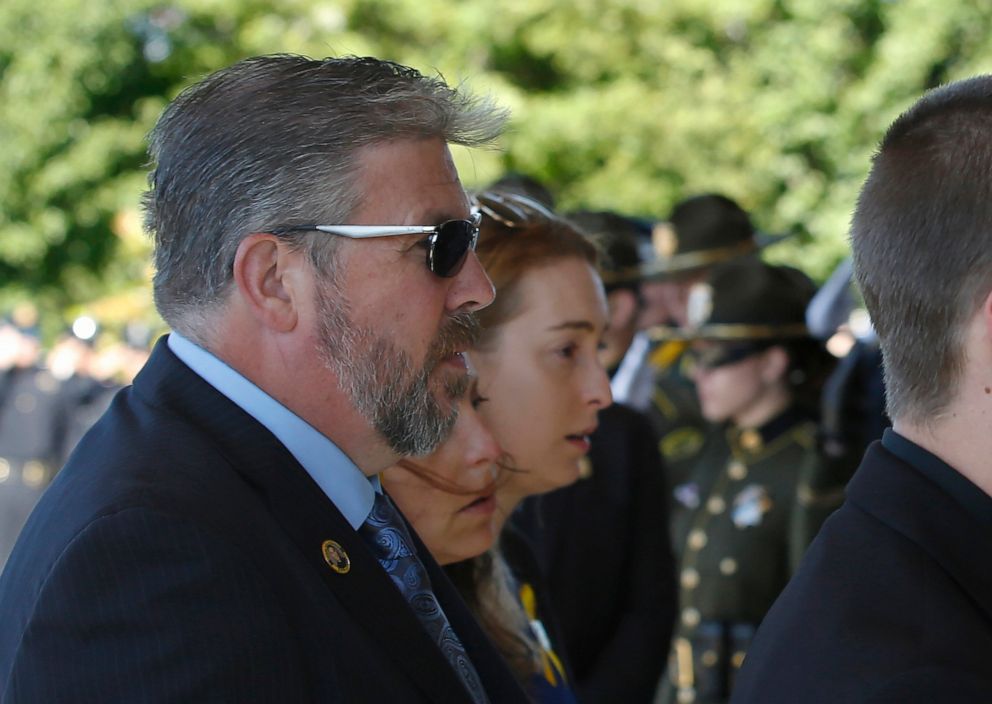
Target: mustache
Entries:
(462, 331)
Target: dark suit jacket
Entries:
(892, 603)
(604, 545)
(177, 558)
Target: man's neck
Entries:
(331, 412)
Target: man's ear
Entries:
(270, 280)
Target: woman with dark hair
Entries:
(746, 512)
(540, 385)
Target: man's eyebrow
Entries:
(436, 217)
(574, 325)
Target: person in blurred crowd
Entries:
(893, 602)
(73, 361)
(216, 535)
(620, 268)
(35, 424)
(757, 373)
(701, 232)
(617, 512)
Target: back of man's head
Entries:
(921, 242)
(272, 141)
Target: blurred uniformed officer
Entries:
(701, 232)
(72, 361)
(33, 425)
(745, 512)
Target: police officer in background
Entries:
(34, 423)
(742, 515)
(604, 541)
(75, 361)
(701, 232)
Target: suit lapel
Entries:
(901, 497)
(308, 518)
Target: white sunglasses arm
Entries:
(362, 231)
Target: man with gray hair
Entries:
(893, 601)
(220, 535)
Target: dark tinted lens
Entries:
(450, 247)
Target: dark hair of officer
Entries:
(617, 238)
(920, 237)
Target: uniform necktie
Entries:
(387, 535)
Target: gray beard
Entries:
(380, 380)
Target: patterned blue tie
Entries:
(387, 535)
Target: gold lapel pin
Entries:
(335, 556)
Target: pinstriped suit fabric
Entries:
(115, 592)
(177, 558)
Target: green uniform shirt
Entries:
(742, 519)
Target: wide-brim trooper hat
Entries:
(702, 231)
(746, 299)
(617, 237)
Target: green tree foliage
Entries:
(621, 104)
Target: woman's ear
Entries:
(268, 274)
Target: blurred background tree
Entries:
(628, 105)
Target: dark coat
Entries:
(893, 602)
(178, 558)
(605, 548)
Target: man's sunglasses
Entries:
(448, 244)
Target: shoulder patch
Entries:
(681, 443)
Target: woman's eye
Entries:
(568, 351)
(478, 400)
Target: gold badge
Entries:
(699, 305)
(751, 440)
(664, 240)
(336, 557)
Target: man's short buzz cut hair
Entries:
(272, 141)
(922, 241)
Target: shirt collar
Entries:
(969, 496)
(337, 476)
